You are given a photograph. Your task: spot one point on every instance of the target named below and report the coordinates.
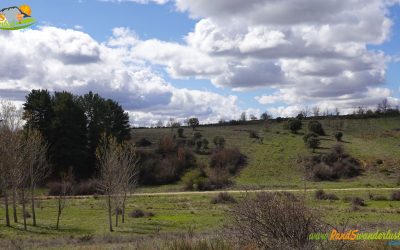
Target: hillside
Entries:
(272, 161)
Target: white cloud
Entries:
(65, 59)
(307, 50)
(137, 1)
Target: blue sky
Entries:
(258, 74)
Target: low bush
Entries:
(223, 198)
(274, 220)
(395, 196)
(88, 187)
(166, 165)
(316, 127)
(229, 159)
(138, 213)
(332, 166)
(357, 201)
(253, 134)
(180, 132)
(143, 143)
(338, 136)
(321, 195)
(378, 198)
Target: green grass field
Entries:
(273, 164)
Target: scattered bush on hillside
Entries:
(294, 125)
(321, 195)
(338, 136)
(313, 143)
(274, 220)
(219, 142)
(316, 127)
(167, 145)
(309, 135)
(223, 198)
(378, 197)
(357, 201)
(138, 213)
(332, 166)
(395, 196)
(143, 143)
(180, 132)
(229, 159)
(205, 143)
(88, 187)
(197, 136)
(253, 134)
(165, 165)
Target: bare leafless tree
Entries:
(65, 190)
(10, 125)
(36, 165)
(128, 162)
(118, 174)
(316, 111)
(107, 156)
(305, 111)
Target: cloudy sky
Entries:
(210, 59)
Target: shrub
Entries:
(279, 119)
(294, 125)
(338, 136)
(316, 127)
(395, 196)
(357, 201)
(167, 145)
(199, 144)
(89, 187)
(309, 135)
(253, 134)
(143, 143)
(180, 132)
(138, 213)
(219, 141)
(205, 143)
(273, 219)
(166, 168)
(27, 215)
(223, 198)
(332, 166)
(230, 159)
(197, 136)
(321, 195)
(378, 198)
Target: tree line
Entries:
(25, 160)
(72, 126)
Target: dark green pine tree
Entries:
(68, 137)
(38, 112)
(117, 121)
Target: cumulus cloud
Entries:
(65, 59)
(137, 1)
(307, 50)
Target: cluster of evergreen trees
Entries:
(73, 125)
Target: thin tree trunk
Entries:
(116, 216)
(123, 208)
(14, 201)
(109, 211)
(23, 208)
(59, 212)
(6, 204)
(33, 206)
